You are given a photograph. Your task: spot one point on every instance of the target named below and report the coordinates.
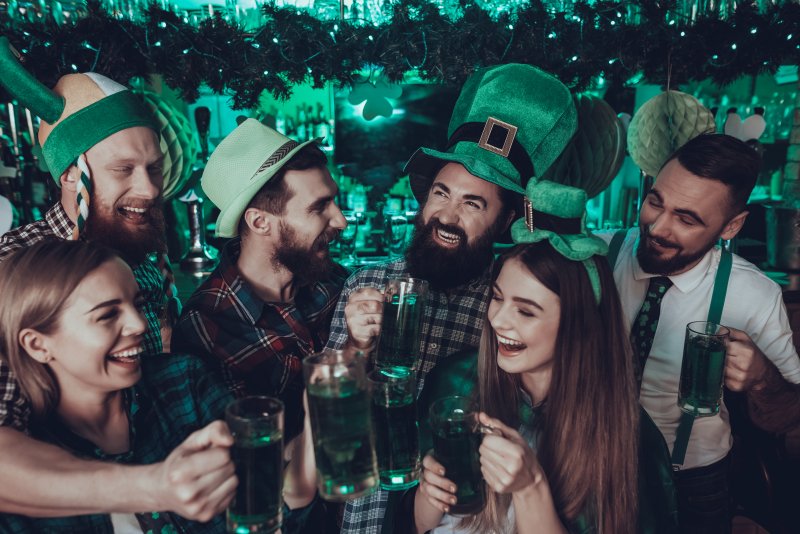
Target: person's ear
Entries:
(258, 221)
(35, 344)
(69, 179)
(733, 226)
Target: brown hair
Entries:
(588, 428)
(35, 283)
(274, 195)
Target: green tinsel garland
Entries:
(295, 47)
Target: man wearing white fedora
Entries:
(269, 302)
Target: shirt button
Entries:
(434, 346)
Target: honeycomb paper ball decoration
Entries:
(596, 152)
(179, 143)
(662, 125)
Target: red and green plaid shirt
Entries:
(258, 345)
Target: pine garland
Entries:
(615, 39)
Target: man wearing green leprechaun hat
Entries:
(101, 145)
(509, 124)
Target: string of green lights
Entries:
(625, 42)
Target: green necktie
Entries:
(644, 327)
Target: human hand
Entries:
(197, 480)
(363, 314)
(745, 364)
(508, 463)
(439, 491)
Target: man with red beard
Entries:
(698, 198)
(101, 144)
(269, 302)
(508, 126)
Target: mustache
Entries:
(324, 240)
(436, 224)
(660, 242)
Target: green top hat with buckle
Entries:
(509, 125)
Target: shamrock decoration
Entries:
(377, 96)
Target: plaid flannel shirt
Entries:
(453, 322)
(14, 410)
(176, 396)
(258, 345)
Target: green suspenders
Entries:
(714, 316)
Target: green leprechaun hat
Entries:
(509, 124)
(557, 213)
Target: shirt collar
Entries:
(242, 290)
(237, 285)
(58, 221)
(686, 281)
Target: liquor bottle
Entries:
(302, 127)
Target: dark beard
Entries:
(448, 268)
(651, 263)
(133, 245)
(303, 263)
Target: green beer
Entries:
(701, 376)
(456, 440)
(256, 424)
(400, 329)
(455, 446)
(343, 448)
(259, 468)
(396, 441)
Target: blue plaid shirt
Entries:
(14, 410)
(176, 395)
(453, 322)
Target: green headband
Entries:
(557, 213)
(79, 132)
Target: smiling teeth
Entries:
(510, 343)
(130, 353)
(448, 237)
(135, 210)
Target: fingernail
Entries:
(452, 489)
(446, 509)
(441, 471)
(452, 500)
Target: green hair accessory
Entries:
(557, 213)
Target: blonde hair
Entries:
(35, 283)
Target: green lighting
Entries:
(551, 35)
(397, 480)
(683, 34)
(162, 24)
(733, 46)
(275, 40)
(789, 37)
(754, 31)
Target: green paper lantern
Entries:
(662, 125)
(179, 142)
(596, 152)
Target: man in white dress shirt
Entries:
(698, 198)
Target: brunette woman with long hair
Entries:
(556, 386)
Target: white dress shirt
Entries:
(753, 304)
